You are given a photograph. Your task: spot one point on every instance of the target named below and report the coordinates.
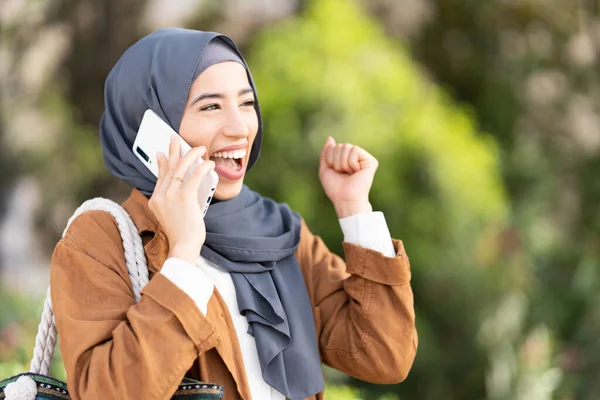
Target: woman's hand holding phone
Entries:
(174, 203)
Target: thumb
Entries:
(366, 160)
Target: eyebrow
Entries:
(205, 96)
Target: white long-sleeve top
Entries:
(198, 281)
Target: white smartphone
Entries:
(154, 136)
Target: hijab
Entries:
(250, 236)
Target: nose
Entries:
(235, 125)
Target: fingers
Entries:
(163, 168)
(181, 169)
(166, 166)
(328, 151)
(166, 184)
(344, 164)
(345, 157)
(185, 163)
(192, 184)
(353, 158)
(366, 160)
(325, 153)
(337, 157)
(174, 152)
(329, 156)
(162, 164)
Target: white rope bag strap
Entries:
(135, 259)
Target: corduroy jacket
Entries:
(116, 348)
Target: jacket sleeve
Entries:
(114, 347)
(363, 309)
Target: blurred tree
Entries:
(100, 31)
(13, 45)
(19, 319)
(55, 57)
(530, 70)
(331, 71)
(84, 39)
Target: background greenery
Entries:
(484, 115)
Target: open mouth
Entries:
(230, 164)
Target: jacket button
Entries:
(223, 314)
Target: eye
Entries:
(210, 107)
(249, 103)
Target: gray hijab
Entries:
(252, 237)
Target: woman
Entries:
(247, 297)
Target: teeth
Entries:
(231, 154)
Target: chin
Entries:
(226, 190)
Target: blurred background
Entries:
(485, 116)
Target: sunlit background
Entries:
(484, 114)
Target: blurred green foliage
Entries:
(17, 324)
(19, 318)
(438, 180)
(530, 70)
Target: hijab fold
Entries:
(250, 236)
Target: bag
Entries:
(35, 384)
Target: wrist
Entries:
(345, 209)
(185, 252)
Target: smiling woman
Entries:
(246, 297)
(220, 116)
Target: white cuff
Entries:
(191, 279)
(368, 230)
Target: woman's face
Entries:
(220, 115)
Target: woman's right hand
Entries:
(175, 203)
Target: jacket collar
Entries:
(157, 248)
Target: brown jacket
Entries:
(116, 348)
